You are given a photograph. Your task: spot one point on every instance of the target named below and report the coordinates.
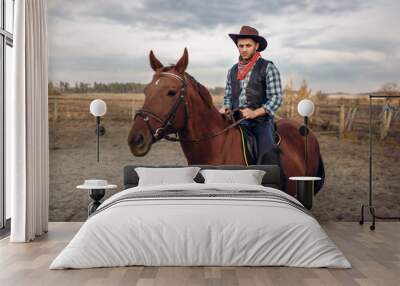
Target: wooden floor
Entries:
(375, 257)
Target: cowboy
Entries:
(254, 86)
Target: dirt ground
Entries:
(73, 159)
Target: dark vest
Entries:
(256, 87)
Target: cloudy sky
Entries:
(337, 45)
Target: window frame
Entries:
(6, 39)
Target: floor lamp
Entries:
(98, 108)
(305, 109)
(305, 184)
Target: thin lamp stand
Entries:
(370, 205)
(304, 132)
(100, 131)
(303, 188)
(98, 135)
(305, 145)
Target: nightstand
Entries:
(96, 189)
(305, 189)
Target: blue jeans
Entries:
(266, 145)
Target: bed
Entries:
(201, 224)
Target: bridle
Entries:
(167, 123)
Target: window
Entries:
(6, 43)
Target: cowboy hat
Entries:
(250, 32)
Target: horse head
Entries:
(165, 107)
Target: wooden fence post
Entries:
(347, 118)
(350, 118)
(353, 116)
(55, 118)
(133, 107)
(341, 122)
(387, 119)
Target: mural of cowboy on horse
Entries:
(254, 88)
(177, 104)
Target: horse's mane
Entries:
(201, 89)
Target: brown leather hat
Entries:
(250, 32)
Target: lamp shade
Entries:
(98, 107)
(305, 107)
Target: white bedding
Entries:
(200, 231)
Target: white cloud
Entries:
(344, 45)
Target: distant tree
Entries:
(292, 97)
(289, 96)
(319, 95)
(288, 90)
(83, 87)
(304, 91)
(113, 87)
(52, 89)
(389, 89)
(62, 87)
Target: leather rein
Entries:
(167, 123)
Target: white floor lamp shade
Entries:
(98, 107)
(305, 108)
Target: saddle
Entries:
(249, 143)
(249, 140)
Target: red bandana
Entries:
(244, 66)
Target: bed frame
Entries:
(270, 179)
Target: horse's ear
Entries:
(154, 62)
(182, 63)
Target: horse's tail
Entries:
(321, 173)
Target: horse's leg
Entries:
(292, 164)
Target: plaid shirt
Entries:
(274, 90)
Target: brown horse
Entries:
(176, 103)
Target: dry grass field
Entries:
(73, 159)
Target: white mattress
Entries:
(200, 231)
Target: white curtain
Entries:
(27, 147)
